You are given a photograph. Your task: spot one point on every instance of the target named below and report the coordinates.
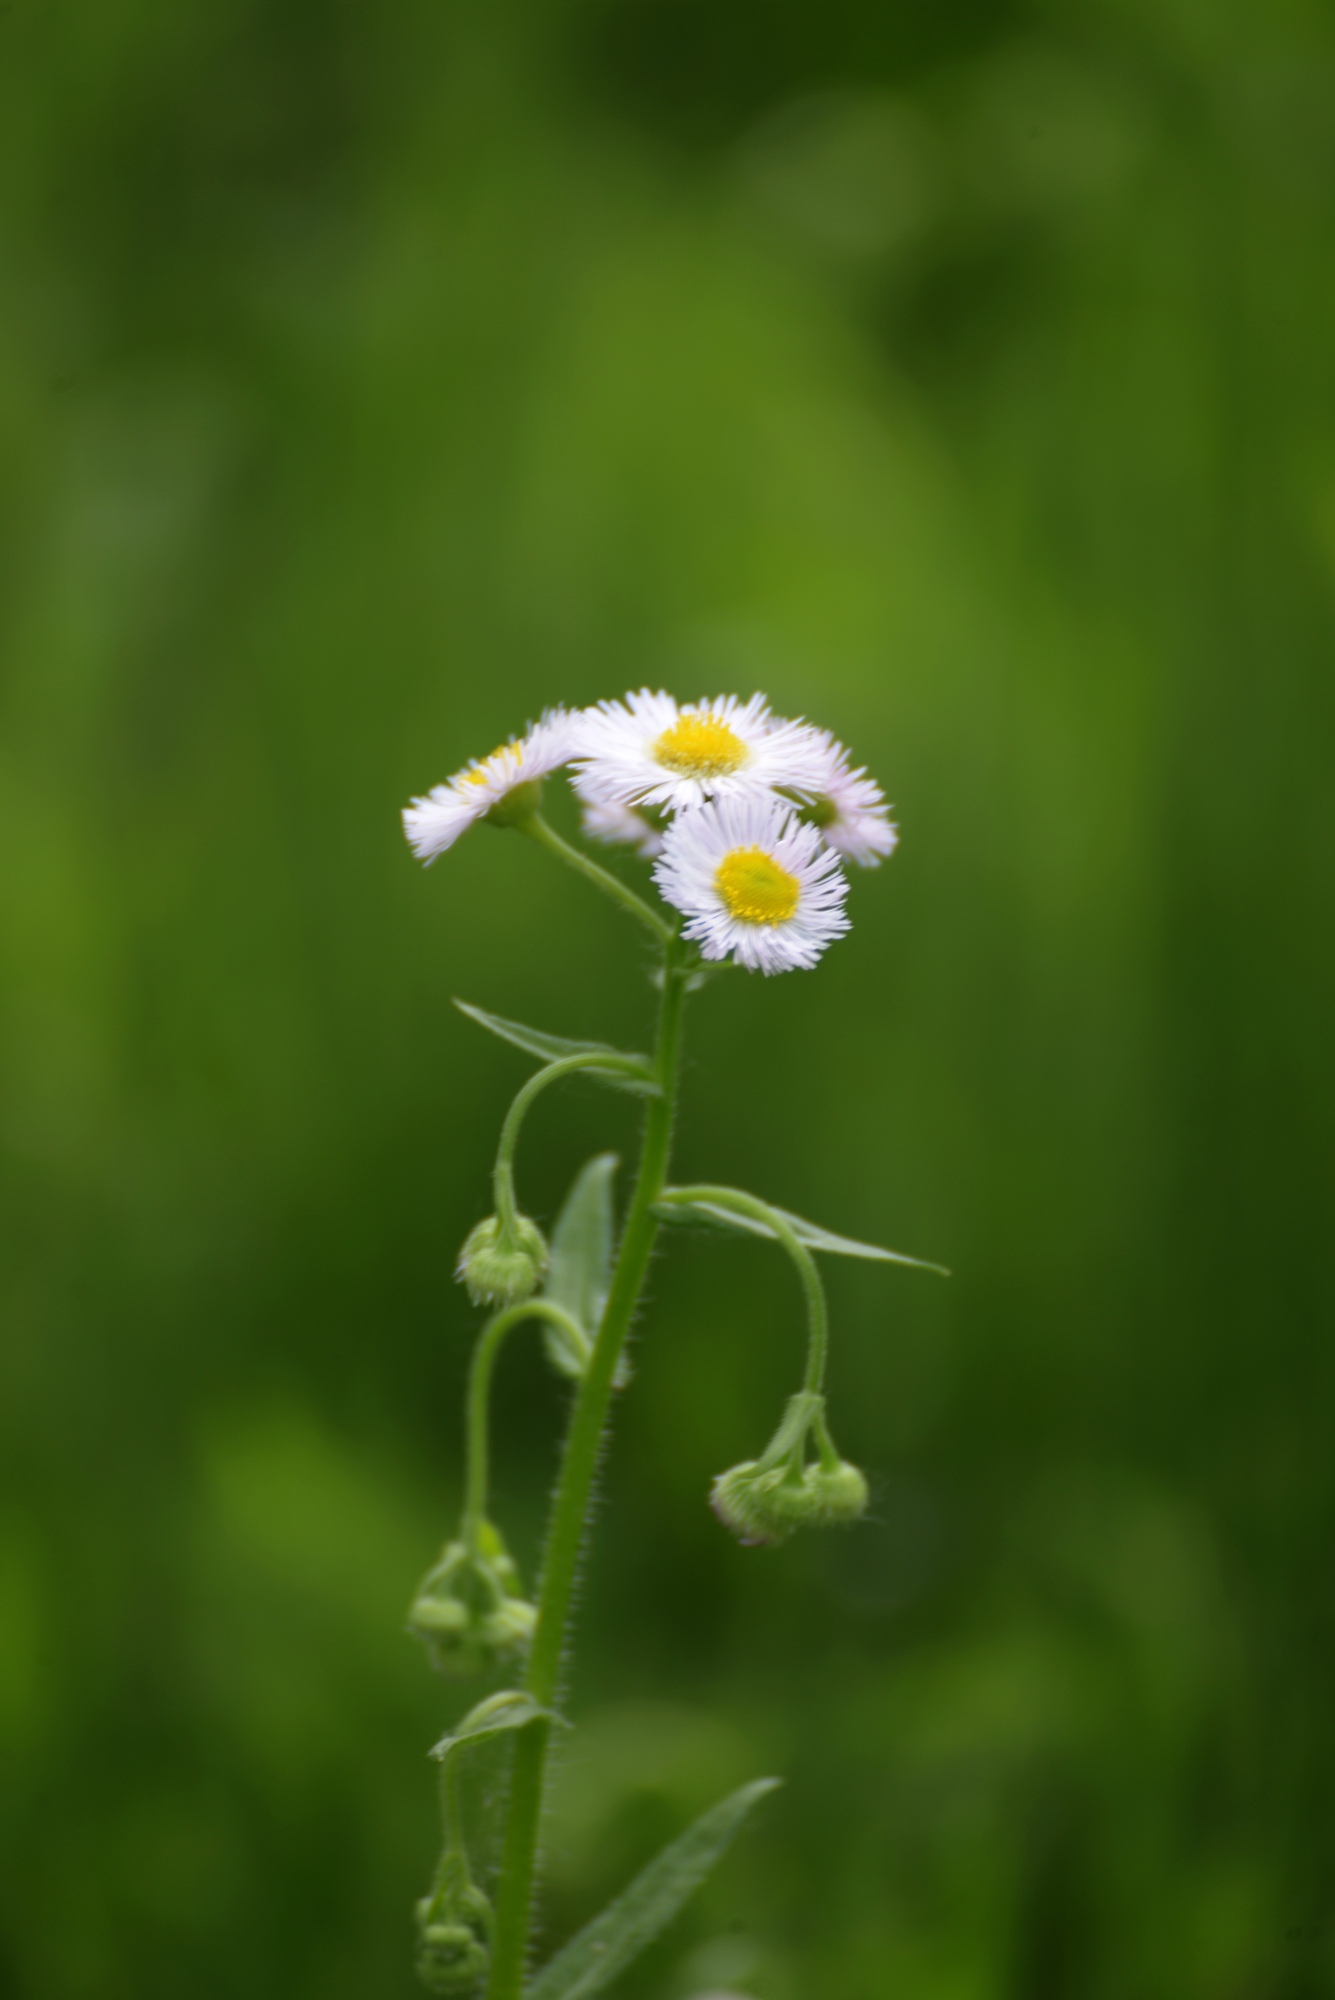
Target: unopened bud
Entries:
(759, 1505)
(767, 1498)
(837, 1494)
(469, 1612)
(452, 1959)
(499, 1266)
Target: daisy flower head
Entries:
(621, 826)
(486, 787)
(646, 750)
(847, 806)
(753, 882)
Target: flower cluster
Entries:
(746, 817)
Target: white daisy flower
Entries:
(847, 806)
(435, 822)
(648, 751)
(753, 881)
(622, 826)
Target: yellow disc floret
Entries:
(755, 888)
(483, 768)
(697, 746)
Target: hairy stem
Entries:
(570, 1504)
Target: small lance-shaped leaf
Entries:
(604, 1948)
(553, 1048)
(581, 1261)
(510, 1709)
(715, 1215)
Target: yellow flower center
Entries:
(696, 746)
(755, 888)
(484, 764)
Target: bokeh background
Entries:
(960, 373)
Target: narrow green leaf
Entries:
(604, 1948)
(581, 1264)
(510, 1709)
(714, 1215)
(552, 1048)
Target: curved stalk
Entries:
(503, 1177)
(818, 1318)
(536, 827)
(479, 1394)
(570, 1504)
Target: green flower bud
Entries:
(469, 1611)
(838, 1494)
(759, 1504)
(454, 1932)
(500, 1268)
(452, 1959)
(767, 1498)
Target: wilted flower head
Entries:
(495, 787)
(649, 751)
(754, 883)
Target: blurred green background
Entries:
(960, 373)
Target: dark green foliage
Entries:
(371, 377)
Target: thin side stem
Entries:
(537, 829)
(503, 1175)
(476, 1440)
(570, 1504)
(818, 1317)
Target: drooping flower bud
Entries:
(767, 1498)
(452, 1959)
(454, 1928)
(469, 1611)
(837, 1493)
(759, 1506)
(501, 1266)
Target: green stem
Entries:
(537, 829)
(503, 1174)
(479, 1395)
(570, 1505)
(818, 1318)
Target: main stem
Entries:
(570, 1505)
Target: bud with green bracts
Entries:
(766, 1499)
(454, 1933)
(503, 1264)
(469, 1611)
(451, 1959)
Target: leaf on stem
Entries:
(580, 1271)
(701, 1214)
(510, 1709)
(554, 1048)
(604, 1948)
